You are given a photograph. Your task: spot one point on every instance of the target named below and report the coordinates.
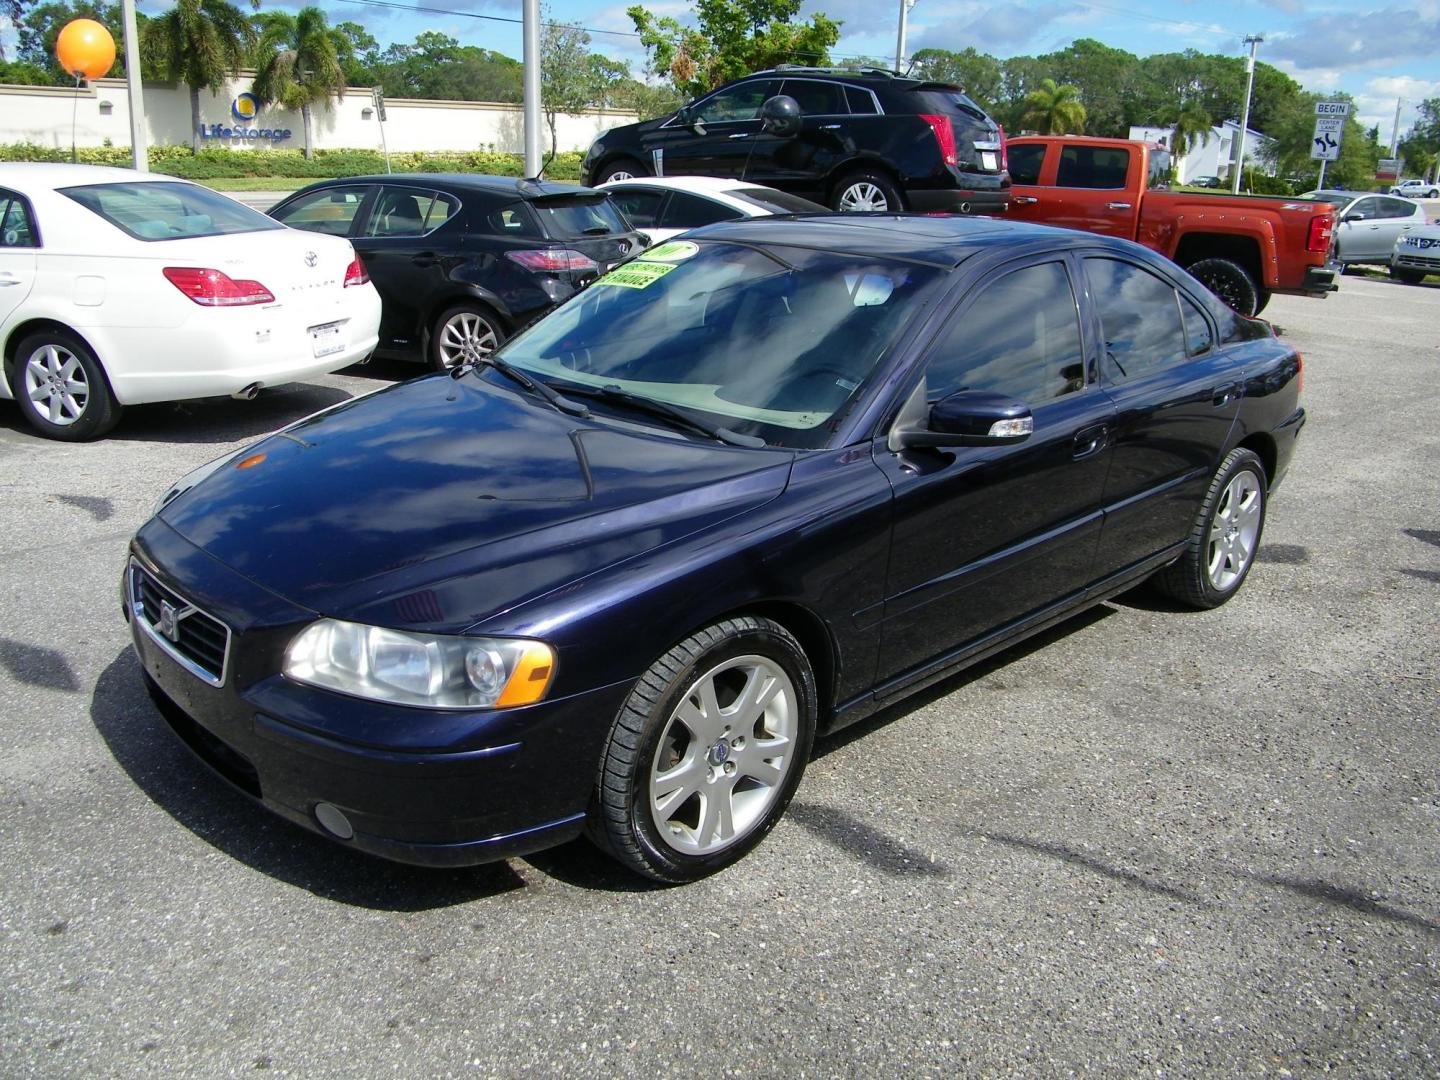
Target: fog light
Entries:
(334, 821)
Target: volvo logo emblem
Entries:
(311, 258)
(169, 620)
(719, 752)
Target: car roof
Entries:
(684, 183)
(517, 186)
(941, 240)
(53, 175)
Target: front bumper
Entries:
(1424, 262)
(416, 786)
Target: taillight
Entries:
(1322, 228)
(1004, 152)
(356, 274)
(1299, 373)
(214, 288)
(944, 135)
(553, 260)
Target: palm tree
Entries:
(198, 43)
(299, 65)
(1053, 110)
(1192, 128)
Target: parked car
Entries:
(1367, 226)
(664, 206)
(1416, 189)
(1205, 182)
(1244, 248)
(868, 140)
(759, 482)
(1416, 253)
(122, 287)
(463, 261)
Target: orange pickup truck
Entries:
(1244, 247)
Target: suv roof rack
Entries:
(831, 70)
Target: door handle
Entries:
(1117, 205)
(829, 127)
(740, 135)
(424, 258)
(1223, 395)
(9, 281)
(1023, 200)
(1090, 440)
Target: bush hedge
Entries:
(215, 164)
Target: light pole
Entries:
(1252, 41)
(134, 88)
(532, 86)
(905, 6)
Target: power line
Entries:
(421, 9)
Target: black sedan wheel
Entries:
(1227, 530)
(464, 334)
(1230, 282)
(707, 751)
(61, 388)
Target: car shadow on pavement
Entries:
(183, 787)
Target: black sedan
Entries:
(461, 262)
(757, 484)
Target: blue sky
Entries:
(1377, 52)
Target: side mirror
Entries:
(686, 116)
(1353, 216)
(781, 115)
(971, 418)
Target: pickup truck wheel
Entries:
(1409, 277)
(1221, 547)
(867, 190)
(1261, 300)
(1229, 281)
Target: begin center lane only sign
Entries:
(1329, 129)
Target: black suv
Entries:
(461, 262)
(869, 140)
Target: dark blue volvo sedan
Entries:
(752, 486)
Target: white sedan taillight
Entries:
(356, 274)
(215, 288)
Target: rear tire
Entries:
(1221, 547)
(464, 333)
(623, 168)
(1262, 300)
(867, 190)
(61, 388)
(1230, 282)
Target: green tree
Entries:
(977, 73)
(572, 78)
(646, 100)
(1101, 77)
(198, 43)
(299, 66)
(1054, 110)
(37, 34)
(1191, 128)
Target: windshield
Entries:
(161, 210)
(777, 347)
(568, 219)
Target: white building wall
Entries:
(101, 111)
(1212, 157)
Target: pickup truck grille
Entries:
(199, 642)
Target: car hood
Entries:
(439, 503)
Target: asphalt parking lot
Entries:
(1149, 842)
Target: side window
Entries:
(640, 206)
(1093, 167)
(816, 98)
(1140, 317)
(15, 228)
(513, 220)
(688, 211)
(1397, 208)
(330, 211)
(740, 102)
(1370, 208)
(1197, 330)
(862, 102)
(1019, 337)
(407, 212)
(1025, 161)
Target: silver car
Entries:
(1367, 225)
(1416, 254)
(1416, 189)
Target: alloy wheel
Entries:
(863, 196)
(55, 382)
(466, 338)
(1234, 530)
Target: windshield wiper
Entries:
(676, 416)
(535, 386)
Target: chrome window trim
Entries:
(137, 613)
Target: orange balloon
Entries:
(85, 49)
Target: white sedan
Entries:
(118, 288)
(663, 206)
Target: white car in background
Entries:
(1416, 254)
(664, 206)
(1416, 189)
(118, 288)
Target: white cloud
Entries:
(1356, 39)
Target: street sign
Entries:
(377, 95)
(1332, 108)
(1325, 143)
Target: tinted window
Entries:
(740, 102)
(1396, 208)
(777, 202)
(1020, 337)
(950, 102)
(514, 220)
(406, 212)
(1370, 208)
(329, 211)
(15, 228)
(816, 98)
(159, 210)
(1025, 162)
(1140, 318)
(640, 206)
(862, 102)
(1093, 167)
(568, 218)
(1197, 330)
(1160, 165)
(686, 211)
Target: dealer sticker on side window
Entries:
(636, 275)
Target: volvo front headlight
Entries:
(426, 670)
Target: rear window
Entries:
(1159, 169)
(567, 218)
(777, 202)
(941, 100)
(160, 210)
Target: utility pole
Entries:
(1395, 132)
(905, 6)
(1252, 41)
(134, 87)
(532, 86)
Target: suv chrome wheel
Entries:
(863, 196)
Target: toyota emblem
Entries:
(311, 258)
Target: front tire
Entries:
(1409, 277)
(621, 169)
(464, 334)
(61, 388)
(1221, 547)
(1230, 281)
(866, 191)
(706, 752)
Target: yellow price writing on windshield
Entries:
(636, 275)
